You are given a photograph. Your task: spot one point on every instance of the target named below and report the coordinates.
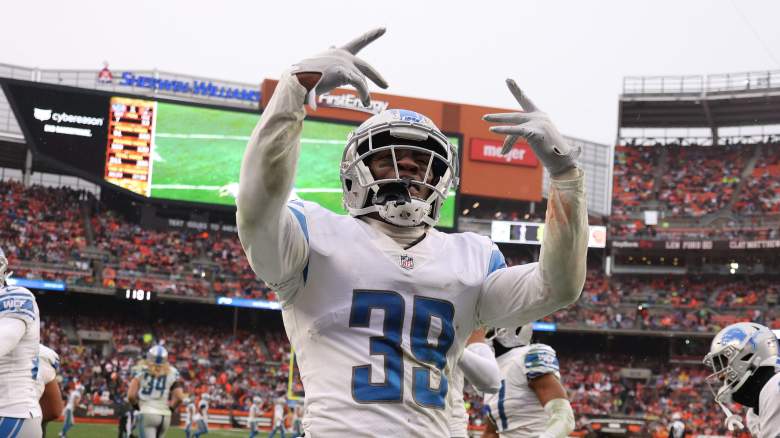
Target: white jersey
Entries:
(192, 413)
(377, 328)
(768, 424)
(279, 412)
(155, 391)
(73, 399)
(383, 319)
(459, 418)
(203, 411)
(19, 368)
(677, 429)
(254, 413)
(48, 365)
(516, 410)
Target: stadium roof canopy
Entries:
(722, 100)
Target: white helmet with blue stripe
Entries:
(394, 130)
(157, 355)
(735, 354)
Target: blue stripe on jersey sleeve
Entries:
(17, 304)
(540, 360)
(304, 227)
(497, 261)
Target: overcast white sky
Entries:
(569, 56)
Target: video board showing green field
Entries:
(197, 157)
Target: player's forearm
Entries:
(480, 368)
(562, 262)
(270, 235)
(268, 167)
(560, 421)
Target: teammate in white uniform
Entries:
(478, 365)
(280, 409)
(20, 411)
(73, 401)
(189, 410)
(378, 304)
(255, 412)
(202, 416)
(49, 395)
(745, 364)
(151, 388)
(532, 401)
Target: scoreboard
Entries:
(169, 150)
(129, 149)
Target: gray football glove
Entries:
(536, 128)
(339, 66)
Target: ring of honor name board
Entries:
(129, 151)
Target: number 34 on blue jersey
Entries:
(389, 346)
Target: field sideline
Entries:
(110, 430)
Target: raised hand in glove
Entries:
(339, 66)
(536, 128)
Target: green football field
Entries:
(110, 430)
(198, 154)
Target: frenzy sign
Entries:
(490, 151)
(195, 88)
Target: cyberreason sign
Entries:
(490, 150)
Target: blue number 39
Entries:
(389, 346)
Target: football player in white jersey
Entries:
(478, 365)
(189, 410)
(20, 331)
(70, 408)
(378, 304)
(277, 422)
(255, 412)
(746, 369)
(202, 416)
(531, 402)
(48, 389)
(154, 384)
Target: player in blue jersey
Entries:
(378, 304)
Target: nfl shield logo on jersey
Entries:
(407, 262)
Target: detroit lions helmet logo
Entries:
(408, 116)
(734, 336)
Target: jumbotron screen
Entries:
(174, 151)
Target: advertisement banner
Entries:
(490, 151)
(697, 245)
(532, 233)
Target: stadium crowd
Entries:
(692, 181)
(195, 263)
(234, 367)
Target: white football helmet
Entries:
(157, 355)
(735, 354)
(205, 396)
(511, 337)
(257, 399)
(394, 130)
